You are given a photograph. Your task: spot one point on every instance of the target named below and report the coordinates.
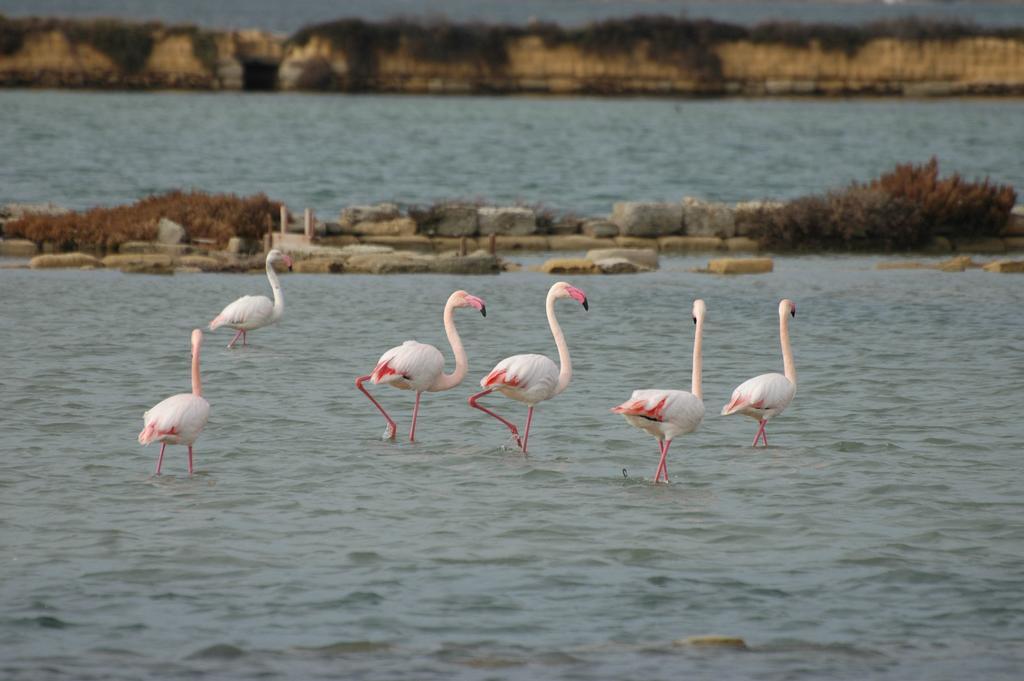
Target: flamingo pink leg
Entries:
(415, 411)
(529, 419)
(160, 459)
(190, 459)
(662, 467)
(761, 433)
(511, 426)
(392, 428)
(235, 339)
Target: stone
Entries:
(713, 640)
(418, 243)
(578, 242)
(980, 245)
(742, 243)
(635, 218)
(137, 259)
(637, 242)
(599, 228)
(136, 247)
(169, 232)
(1014, 243)
(147, 268)
(702, 218)
(321, 265)
(389, 263)
(685, 244)
(203, 263)
(378, 212)
(569, 266)
(904, 265)
(512, 220)
(957, 264)
(566, 224)
(748, 215)
(63, 260)
(444, 244)
(533, 242)
(1005, 266)
(453, 219)
(740, 265)
(644, 257)
(364, 249)
(1015, 224)
(17, 248)
(396, 227)
(477, 263)
(618, 266)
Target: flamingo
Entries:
(766, 396)
(254, 312)
(532, 378)
(666, 414)
(179, 419)
(417, 366)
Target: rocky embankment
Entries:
(646, 55)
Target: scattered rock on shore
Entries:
(642, 257)
(1005, 266)
(740, 265)
(64, 260)
(569, 266)
(17, 248)
(512, 220)
(635, 218)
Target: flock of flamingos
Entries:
(529, 379)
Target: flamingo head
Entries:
(699, 310)
(787, 306)
(463, 299)
(278, 256)
(565, 290)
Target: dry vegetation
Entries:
(217, 217)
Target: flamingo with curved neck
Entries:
(766, 396)
(420, 367)
(180, 418)
(533, 378)
(666, 414)
(254, 312)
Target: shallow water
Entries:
(879, 536)
(582, 155)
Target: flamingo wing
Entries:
(681, 411)
(767, 392)
(246, 311)
(535, 375)
(410, 365)
(179, 418)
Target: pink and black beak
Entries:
(288, 261)
(478, 303)
(579, 296)
(792, 311)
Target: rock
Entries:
(17, 248)
(534, 242)
(708, 219)
(136, 247)
(453, 219)
(1015, 225)
(748, 215)
(685, 244)
(618, 266)
(512, 220)
(904, 265)
(740, 265)
(396, 227)
(364, 249)
(146, 268)
(379, 212)
(566, 225)
(637, 242)
(1005, 266)
(578, 242)
(1014, 243)
(635, 218)
(63, 260)
(323, 265)
(980, 245)
(569, 266)
(477, 263)
(938, 244)
(957, 264)
(389, 263)
(714, 640)
(643, 257)
(418, 243)
(443, 244)
(203, 263)
(599, 228)
(742, 243)
(137, 260)
(169, 232)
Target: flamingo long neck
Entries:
(447, 381)
(695, 385)
(197, 384)
(275, 284)
(565, 372)
(789, 368)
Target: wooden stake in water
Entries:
(307, 227)
(284, 219)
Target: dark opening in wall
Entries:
(259, 75)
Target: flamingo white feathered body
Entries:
(255, 312)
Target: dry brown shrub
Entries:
(217, 217)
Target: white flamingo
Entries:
(179, 419)
(666, 414)
(417, 366)
(766, 396)
(533, 378)
(254, 312)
